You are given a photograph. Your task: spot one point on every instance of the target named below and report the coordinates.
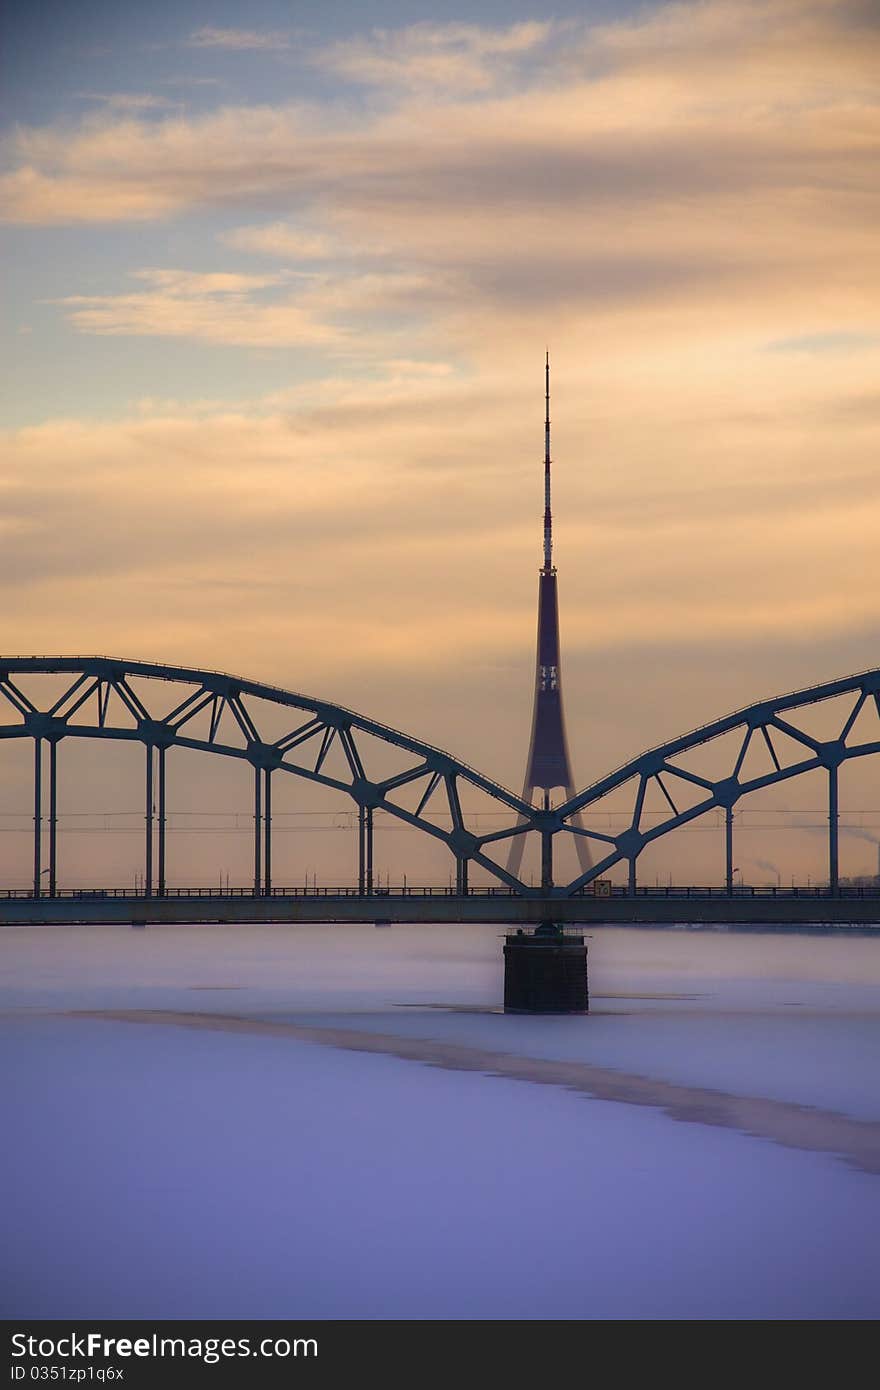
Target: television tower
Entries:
(548, 764)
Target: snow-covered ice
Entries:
(155, 1170)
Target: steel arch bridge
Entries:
(792, 752)
(107, 698)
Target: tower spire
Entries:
(548, 518)
(548, 764)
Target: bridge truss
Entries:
(792, 752)
(109, 698)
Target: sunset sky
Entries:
(280, 281)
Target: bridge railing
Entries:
(347, 891)
(673, 891)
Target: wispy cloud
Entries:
(826, 342)
(128, 101)
(241, 39)
(287, 309)
(458, 58)
(188, 80)
(214, 307)
(283, 239)
(186, 282)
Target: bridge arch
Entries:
(100, 687)
(105, 698)
(769, 722)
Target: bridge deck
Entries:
(689, 906)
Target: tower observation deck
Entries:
(548, 765)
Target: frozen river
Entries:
(339, 1122)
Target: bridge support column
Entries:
(258, 830)
(148, 854)
(632, 881)
(362, 866)
(545, 972)
(162, 821)
(461, 877)
(368, 843)
(38, 814)
(53, 816)
(546, 860)
(267, 831)
(728, 850)
(833, 829)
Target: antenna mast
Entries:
(548, 522)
